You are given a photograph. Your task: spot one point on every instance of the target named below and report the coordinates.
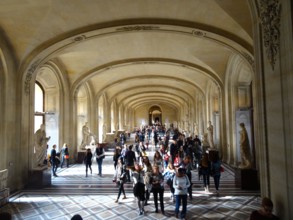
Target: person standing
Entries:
(147, 168)
(156, 140)
(204, 170)
(88, 161)
(216, 169)
(187, 165)
(100, 155)
(158, 161)
(54, 160)
(181, 184)
(116, 156)
(64, 155)
(120, 178)
(139, 187)
(173, 150)
(169, 174)
(197, 151)
(157, 181)
(130, 159)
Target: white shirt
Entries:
(181, 185)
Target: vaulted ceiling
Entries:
(135, 52)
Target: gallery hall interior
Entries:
(94, 90)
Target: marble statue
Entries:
(104, 132)
(41, 141)
(211, 135)
(86, 136)
(195, 129)
(244, 148)
(205, 141)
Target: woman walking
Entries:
(120, 177)
(147, 168)
(216, 169)
(100, 155)
(181, 184)
(88, 161)
(169, 176)
(157, 181)
(158, 161)
(139, 187)
(205, 167)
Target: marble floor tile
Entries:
(93, 198)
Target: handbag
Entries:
(66, 156)
(176, 161)
(123, 177)
(222, 169)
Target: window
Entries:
(39, 106)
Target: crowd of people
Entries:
(171, 165)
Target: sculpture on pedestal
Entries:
(205, 142)
(211, 135)
(195, 129)
(104, 132)
(40, 146)
(86, 136)
(244, 148)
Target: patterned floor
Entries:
(93, 198)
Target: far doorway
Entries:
(155, 115)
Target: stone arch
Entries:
(239, 74)
(56, 87)
(155, 114)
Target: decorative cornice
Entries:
(270, 20)
(28, 77)
(138, 28)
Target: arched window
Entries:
(39, 106)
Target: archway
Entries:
(155, 115)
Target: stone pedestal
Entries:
(40, 177)
(110, 137)
(247, 179)
(80, 156)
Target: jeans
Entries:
(178, 199)
(63, 160)
(100, 162)
(54, 167)
(217, 181)
(206, 176)
(121, 189)
(159, 191)
(88, 165)
(190, 187)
